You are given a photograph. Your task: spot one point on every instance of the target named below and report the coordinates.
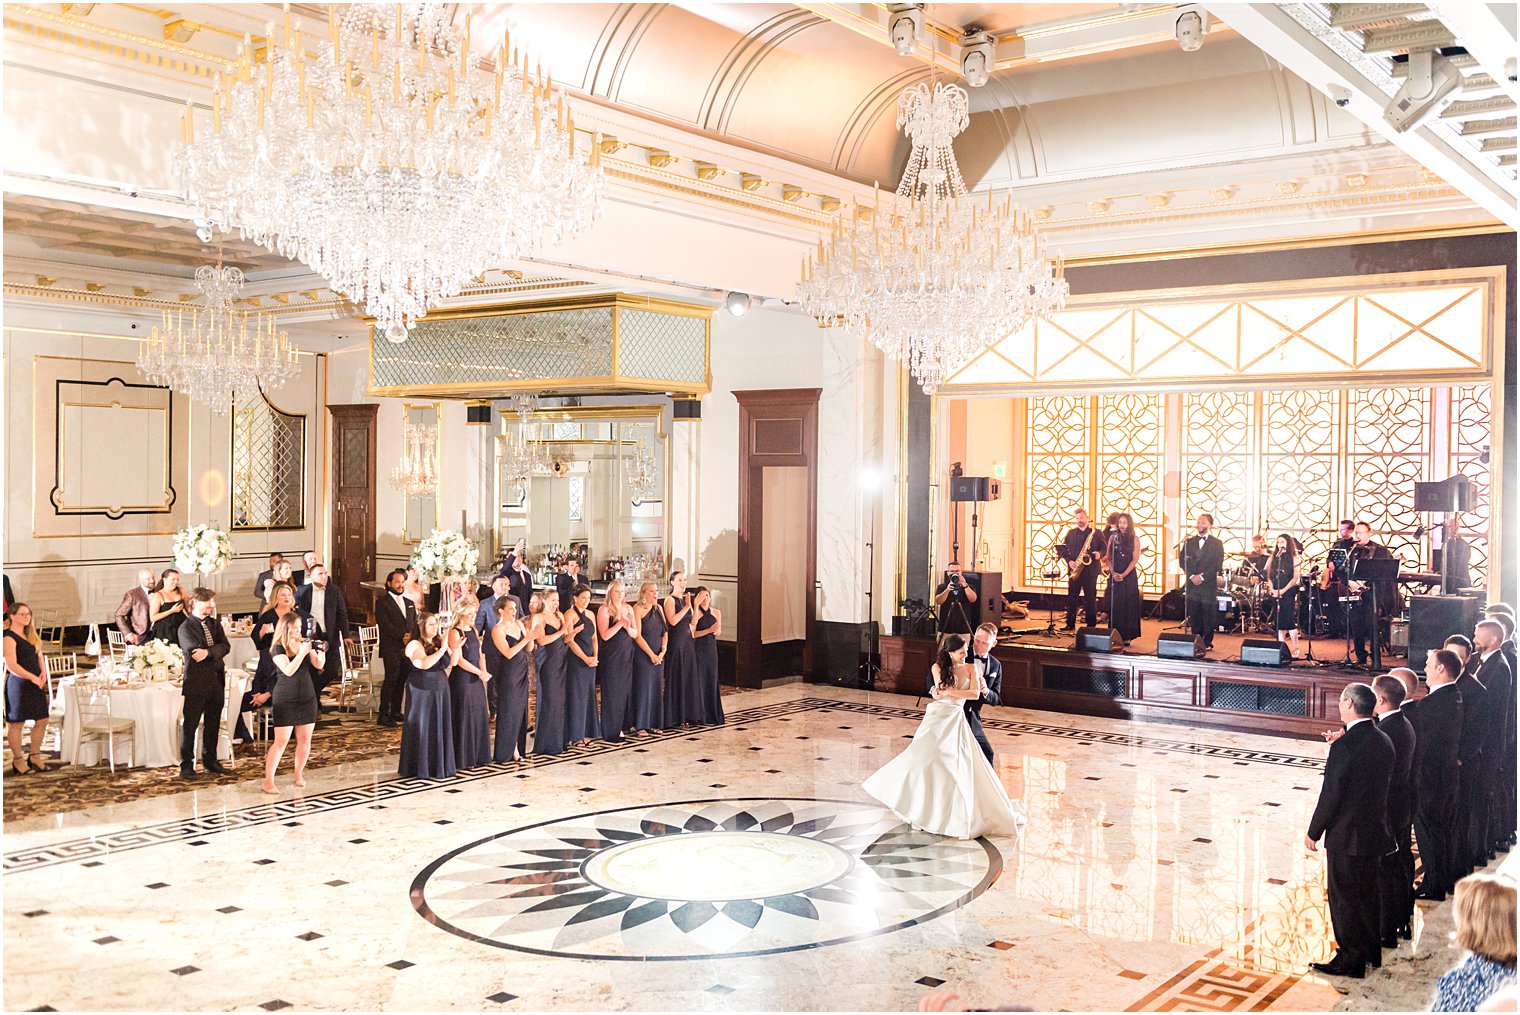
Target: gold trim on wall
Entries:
(1294, 243)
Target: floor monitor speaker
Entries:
(1095, 639)
(1175, 645)
(1263, 652)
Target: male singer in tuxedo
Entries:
(1202, 557)
(1366, 622)
(1396, 869)
(1352, 817)
(204, 643)
(323, 601)
(1438, 741)
(133, 618)
(396, 617)
(1499, 686)
(1080, 538)
(991, 672)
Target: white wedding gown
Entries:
(943, 782)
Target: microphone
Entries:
(1419, 531)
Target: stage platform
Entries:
(1049, 672)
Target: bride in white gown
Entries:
(943, 782)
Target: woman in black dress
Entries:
(513, 641)
(704, 633)
(467, 690)
(295, 696)
(680, 656)
(26, 696)
(581, 723)
(614, 669)
(1124, 582)
(1283, 574)
(549, 630)
(166, 608)
(282, 597)
(427, 734)
(649, 643)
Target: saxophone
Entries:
(1084, 559)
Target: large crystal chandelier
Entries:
(935, 274)
(215, 353)
(387, 159)
(523, 457)
(642, 475)
(417, 472)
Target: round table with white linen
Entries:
(155, 709)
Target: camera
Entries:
(1341, 95)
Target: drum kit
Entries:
(1246, 605)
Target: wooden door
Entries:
(353, 523)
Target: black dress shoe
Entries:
(1338, 967)
(1390, 940)
(216, 767)
(1069, 628)
(1430, 895)
(187, 773)
(1377, 961)
(1406, 932)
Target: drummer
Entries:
(1255, 562)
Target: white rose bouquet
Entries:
(155, 660)
(445, 554)
(202, 549)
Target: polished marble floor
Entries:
(735, 868)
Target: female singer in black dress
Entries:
(513, 640)
(166, 607)
(467, 689)
(549, 630)
(704, 632)
(26, 696)
(295, 696)
(1283, 574)
(581, 723)
(1123, 582)
(649, 642)
(614, 669)
(680, 656)
(427, 733)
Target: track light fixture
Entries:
(1433, 81)
(738, 304)
(1192, 25)
(978, 54)
(904, 22)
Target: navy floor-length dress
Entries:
(427, 732)
(709, 700)
(472, 710)
(512, 701)
(580, 685)
(680, 676)
(648, 707)
(549, 721)
(614, 671)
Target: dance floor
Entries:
(733, 868)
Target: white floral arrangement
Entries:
(202, 549)
(156, 660)
(445, 554)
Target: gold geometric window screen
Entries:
(268, 467)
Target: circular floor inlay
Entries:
(717, 866)
(701, 879)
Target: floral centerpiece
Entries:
(155, 660)
(445, 555)
(202, 549)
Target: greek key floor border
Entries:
(377, 794)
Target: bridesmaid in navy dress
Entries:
(467, 690)
(427, 734)
(680, 656)
(614, 669)
(580, 670)
(648, 661)
(513, 641)
(549, 635)
(705, 633)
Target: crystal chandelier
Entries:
(417, 472)
(936, 274)
(642, 475)
(388, 160)
(215, 353)
(522, 457)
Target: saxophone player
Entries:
(1083, 549)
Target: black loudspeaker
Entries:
(988, 586)
(974, 488)
(478, 415)
(1433, 619)
(1173, 645)
(1263, 652)
(1095, 639)
(1454, 494)
(686, 408)
(1174, 607)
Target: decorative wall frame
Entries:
(268, 467)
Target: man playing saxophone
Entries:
(1082, 549)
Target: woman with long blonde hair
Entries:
(467, 689)
(550, 633)
(650, 635)
(615, 628)
(295, 696)
(26, 696)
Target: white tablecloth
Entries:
(241, 651)
(156, 709)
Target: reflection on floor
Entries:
(1162, 868)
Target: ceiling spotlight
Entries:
(204, 230)
(1192, 26)
(903, 24)
(737, 304)
(1432, 83)
(978, 53)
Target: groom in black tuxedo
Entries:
(991, 672)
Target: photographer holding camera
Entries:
(954, 599)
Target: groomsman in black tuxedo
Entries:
(486, 616)
(991, 672)
(1202, 558)
(323, 601)
(1396, 869)
(1505, 812)
(1499, 684)
(396, 617)
(1438, 740)
(204, 643)
(1469, 816)
(1352, 817)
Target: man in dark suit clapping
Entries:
(1396, 869)
(204, 643)
(1352, 818)
(323, 601)
(1438, 741)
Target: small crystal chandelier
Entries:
(642, 475)
(937, 274)
(523, 457)
(417, 472)
(215, 353)
(387, 159)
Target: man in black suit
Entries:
(267, 575)
(1506, 800)
(1438, 739)
(1470, 811)
(1352, 817)
(1499, 684)
(309, 560)
(991, 672)
(1396, 869)
(204, 643)
(486, 616)
(1082, 589)
(1375, 599)
(565, 583)
(396, 616)
(1202, 557)
(323, 602)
